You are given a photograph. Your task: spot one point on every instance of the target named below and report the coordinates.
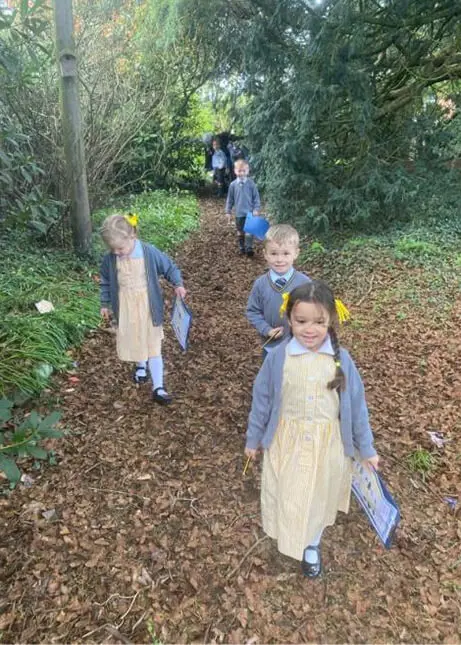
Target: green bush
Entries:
(33, 345)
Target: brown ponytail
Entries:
(339, 381)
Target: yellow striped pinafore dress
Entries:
(138, 339)
(306, 476)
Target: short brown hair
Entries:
(241, 162)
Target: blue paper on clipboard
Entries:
(181, 320)
(378, 504)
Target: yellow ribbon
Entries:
(342, 311)
(132, 219)
(283, 306)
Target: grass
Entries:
(402, 271)
(34, 345)
(421, 461)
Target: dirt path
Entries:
(155, 525)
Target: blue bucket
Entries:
(257, 226)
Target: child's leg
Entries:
(220, 181)
(312, 555)
(311, 565)
(140, 372)
(248, 242)
(240, 223)
(156, 370)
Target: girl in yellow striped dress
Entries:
(309, 415)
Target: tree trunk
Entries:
(72, 127)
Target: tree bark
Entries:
(72, 127)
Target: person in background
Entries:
(243, 196)
(220, 167)
(281, 248)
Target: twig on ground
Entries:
(130, 607)
(114, 632)
(138, 622)
(250, 550)
(98, 629)
(88, 470)
(370, 287)
(113, 595)
(119, 492)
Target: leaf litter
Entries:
(155, 531)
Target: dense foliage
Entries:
(141, 113)
(350, 107)
(350, 104)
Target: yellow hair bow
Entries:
(283, 306)
(132, 219)
(342, 311)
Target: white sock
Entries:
(156, 372)
(141, 367)
(311, 555)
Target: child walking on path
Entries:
(130, 287)
(281, 248)
(309, 415)
(244, 196)
(219, 163)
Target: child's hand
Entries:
(372, 461)
(229, 219)
(105, 313)
(275, 332)
(180, 292)
(251, 453)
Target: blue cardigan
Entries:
(265, 410)
(157, 264)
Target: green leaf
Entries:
(49, 433)
(34, 419)
(10, 469)
(37, 452)
(5, 410)
(48, 422)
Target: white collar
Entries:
(295, 348)
(275, 276)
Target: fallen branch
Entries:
(250, 550)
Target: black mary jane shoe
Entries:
(250, 253)
(163, 399)
(312, 570)
(140, 379)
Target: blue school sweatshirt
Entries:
(264, 303)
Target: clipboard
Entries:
(373, 496)
(181, 321)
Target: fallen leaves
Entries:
(153, 523)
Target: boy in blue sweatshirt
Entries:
(244, 196)
(281, 248)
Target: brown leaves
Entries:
(152, 512)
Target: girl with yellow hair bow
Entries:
(309, 416)
(130, 286)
